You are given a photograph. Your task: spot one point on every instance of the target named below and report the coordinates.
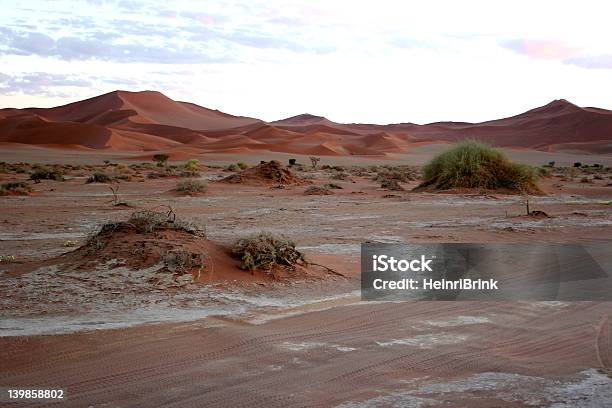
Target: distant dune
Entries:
(150, 121)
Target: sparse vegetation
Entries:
(338, 175)
(43, 173)
(161, 159)
(314, 161)
(569, 173)
(182, 261)
(7, 259)
(292, 162)
(391, 184)
(99, 177)
(191, 187)
(317, 190)
(115, 192)
(543, 171)
(265, 250)
(232, 167)
(192, 165)
(400, 174)
(15, 188)
(242, 165)
(474, 165)
(333, 186)
(148, 221)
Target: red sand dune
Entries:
(150, 121)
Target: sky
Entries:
(350, 61)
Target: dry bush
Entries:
(191, 186)
(15, 188)
(317, 190)
(339, 175)
(148, 221)
(402, 174)
(391, 184)
(182, 261)
(264, 250)
(44, 173)
(99, 177)
(333, 186)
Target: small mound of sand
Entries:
(171, 252)
(272, 172)
(180, 251)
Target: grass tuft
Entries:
(474, 165)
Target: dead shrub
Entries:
(99, 177)
(265, 250)
(44, 173)
(181, 261)
(317, 190)
(191, 186)
(391, 184)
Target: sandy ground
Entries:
(418, 155)
(310, 343)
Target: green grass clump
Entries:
(474, 165)
(264, 250)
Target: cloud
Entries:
(542, 49)
(97, 46)
(204, 18)
(31, 43)
(558, 50)
(409, 43)
(591, 62)
(40, 83)
(261, 40)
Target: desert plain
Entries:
(110, 327)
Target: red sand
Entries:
(479, 354)
(150, 121)
(272, 172)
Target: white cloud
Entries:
(383, 61)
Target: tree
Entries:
(314, 161)
(161, 159)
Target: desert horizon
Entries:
(305, 203)
(148, 121)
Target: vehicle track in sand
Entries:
(240, 365)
